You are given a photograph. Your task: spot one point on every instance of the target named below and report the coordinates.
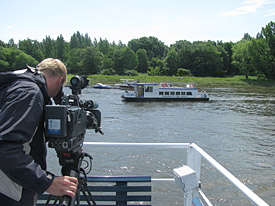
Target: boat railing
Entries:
(193, 161)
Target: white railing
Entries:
(194, 154)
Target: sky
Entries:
(124, 20)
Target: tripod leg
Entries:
(85, 188)
(49, 199)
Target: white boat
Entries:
(102, 86)
(126, 84)
(143, 92)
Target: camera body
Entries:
(65, 127)
(66, 123)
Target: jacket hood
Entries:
(29, 74)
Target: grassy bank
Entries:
(179, 81)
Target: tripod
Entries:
(71, 163)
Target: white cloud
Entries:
(9, 27)
(251, 6)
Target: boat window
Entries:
(189, 93)
(160, 93)
(172, 93)
(177, 93)
(149, 89)
(166, 93)
(182, 93)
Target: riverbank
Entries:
(236, 81)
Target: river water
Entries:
(236, 127)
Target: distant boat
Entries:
(102, 86)
(144, 92)
(126, 84)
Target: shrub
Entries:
(131, 73)
(183, 72)
(108, 72)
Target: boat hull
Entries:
(154, 99)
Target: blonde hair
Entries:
(56, 67)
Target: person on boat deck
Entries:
(23, 96)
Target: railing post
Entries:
(193, 160)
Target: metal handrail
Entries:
(244, 189)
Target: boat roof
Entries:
(164, 88)
(147, 84)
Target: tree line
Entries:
(82, 55)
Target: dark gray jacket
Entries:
(23, 96)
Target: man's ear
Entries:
(60, 81)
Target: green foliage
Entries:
(153, 47)
(124, 59)
(91, 60)
(131, 72)
(48, 46)
(148, 55)
(14, 59)
(108, 72)
(172, 62)
(4, 66)
(33, 48)
(183, 72)
(261, 58)
(142, 60)
(242, 59)
(74, 61)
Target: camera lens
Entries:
(74, 81)
(78, 83)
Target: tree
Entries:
(32, 48)
(14, 59)
(74, 64)
(261, 58)
(108, 62)
(78, 41)
(246, 37)
(129, 59)
(4, 63)
(242, 59)
(172, 62)
(152, 45)
(157, 67)
(2, 44)
(91, 60)
(11, 43)
(142, 60)
(48, 47)
(87, 41)
(263, 51)
(207, 60)
(22, 59)
(60, 48)
(183, 72)
(103, 46)
(124, 59)
(185, 51)
(230, 69)
(269, 34)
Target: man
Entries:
(23, 96)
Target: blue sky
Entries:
(114, 20)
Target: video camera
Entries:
(66, 123)
(65, 128)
